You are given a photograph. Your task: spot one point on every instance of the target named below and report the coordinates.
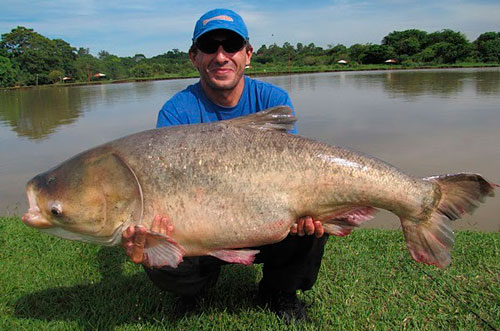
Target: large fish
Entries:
(241, 183)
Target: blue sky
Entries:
(151, 27)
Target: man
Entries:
(220, 52)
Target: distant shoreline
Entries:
(264, 73)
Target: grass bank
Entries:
(280, 70)
(274, 70)
(367, 281)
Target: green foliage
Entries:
(408, 42)
(35, 56)
(113, 66)
(337, 52)
(7, 72)
(28, 58)
(67, 57)
(103, 54)
(55, 76)
(374, 54)
(448, 36)
(357, 52)
(444, 46)
(487, 47)
(142, 70)
(85, 66)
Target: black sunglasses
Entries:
(230, 45)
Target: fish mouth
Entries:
(33, 217)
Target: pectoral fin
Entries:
(242, 256)
(161, 250)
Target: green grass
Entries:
(367, 281)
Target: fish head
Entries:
(88, 198)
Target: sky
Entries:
(153, 27)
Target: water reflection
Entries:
(438, 83)
(487, 83)
(36, 113)
(416, 84)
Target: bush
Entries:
(7, 73)
(55, 76)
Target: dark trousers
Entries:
(290, 265)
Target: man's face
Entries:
(224, 68)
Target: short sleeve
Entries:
(168, 116)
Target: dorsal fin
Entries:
(277, 118)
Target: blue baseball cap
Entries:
(220, 19)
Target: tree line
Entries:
(28, 58)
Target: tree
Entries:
(335, 49)
(83, 51)
(447, 36)
(55, 76)
(409, 46)
(262, 56)
(377, 54)
(31, 53)
(35, 56)
(310, 60)
(7, 73)
(139, 57)
(487, 47)
(67, 56)
(357, 52)
(337, 52)
(445, 46)
(103, 54)
(427, 55)
(176, 54)
(86, 66)
(407, 42)
(312, 49)
(113, 67)
(18, 40)
(142, 70)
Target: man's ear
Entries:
(192, 57)
(249, 52)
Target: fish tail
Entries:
(430, 240)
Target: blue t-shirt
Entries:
(192, 105)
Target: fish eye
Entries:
(56, 209)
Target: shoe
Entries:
(284, 304)
(186, 305)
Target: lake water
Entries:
(425, 122)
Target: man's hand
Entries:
(134, 238)
(307, 226)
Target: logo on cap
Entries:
(218, 18)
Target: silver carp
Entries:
(241, 183)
